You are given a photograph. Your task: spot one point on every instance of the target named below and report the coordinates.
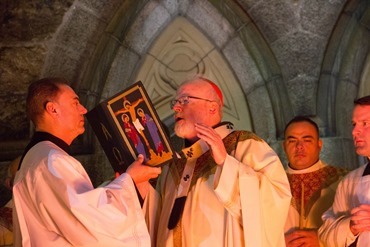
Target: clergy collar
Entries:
(318, 165)
(367, 170)
(44, 136)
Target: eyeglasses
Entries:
(185, 100)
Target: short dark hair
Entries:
(298, 119)
(362, 101)
(41, 92)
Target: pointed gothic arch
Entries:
(182, 50)
(238, 58)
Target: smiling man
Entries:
(347, 222)
(312, 182)
(228, 189)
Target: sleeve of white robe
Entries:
(152, 211)
(70, 205)
(254, 188)
(335, 230)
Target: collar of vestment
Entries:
(196, 158)
(40, 136)
(200, 155)
(222, 128)
(317, 166)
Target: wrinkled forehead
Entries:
(195, 88)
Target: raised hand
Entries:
(214, 140)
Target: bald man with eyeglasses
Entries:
(228, 188)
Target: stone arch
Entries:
(120, 54)
(342, 78)
(181, 50)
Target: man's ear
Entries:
(214, 108)
(320, 143)
(50, 107)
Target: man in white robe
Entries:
(312, 182)
(55, 203)
(229, 187)
(347, 222)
